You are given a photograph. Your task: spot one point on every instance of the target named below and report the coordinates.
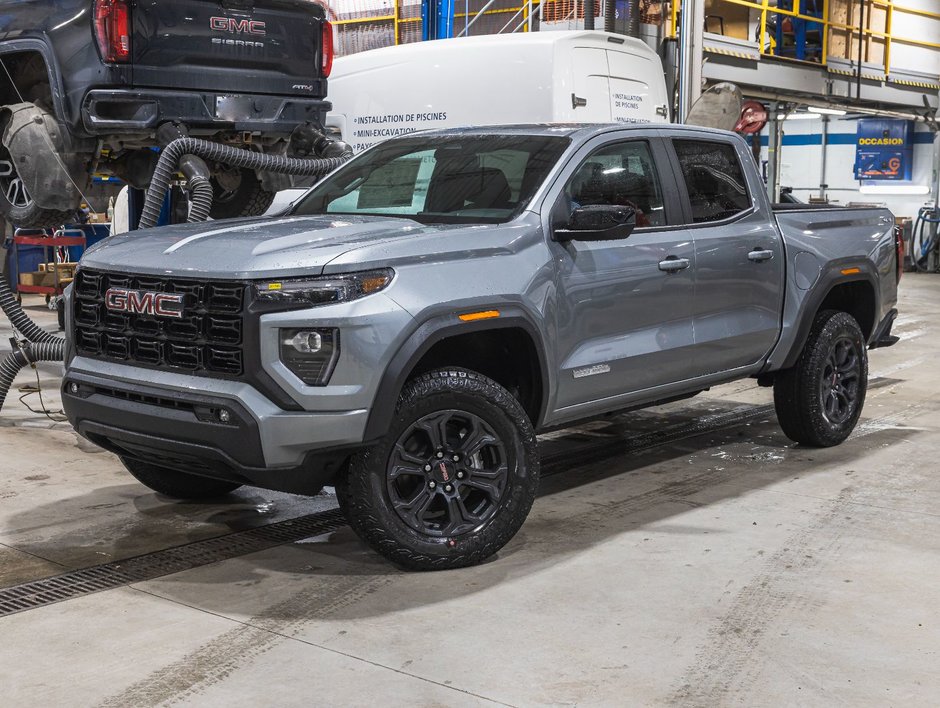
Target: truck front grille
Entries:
(207, 339)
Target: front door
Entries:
(739, 258)
(624, 319)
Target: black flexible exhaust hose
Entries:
(235, 157)
(43, 346)
(19, 319)
(200, 199)
(31, 352)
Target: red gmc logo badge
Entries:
(233, 26)
(143, 302)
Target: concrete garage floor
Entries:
(718, 565)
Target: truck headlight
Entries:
(310, 353)
(323, 290)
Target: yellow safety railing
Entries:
(767, 47)
(400, 23)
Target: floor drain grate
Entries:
(67, 586)
(108, 576)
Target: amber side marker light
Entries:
(482, 315)
(851, 271)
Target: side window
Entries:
(621, 174)
(714, 179)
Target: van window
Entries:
(714, 179)
(620, 174)
(466, 179)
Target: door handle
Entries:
(759, 255)
(674, 265)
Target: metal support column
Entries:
(935, 184)
(773, 154)
(823, 185)
(691, 28)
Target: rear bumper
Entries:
(882, 336)
(106, 111)
(271, 448)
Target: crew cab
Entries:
(89, 88)
(407, 328)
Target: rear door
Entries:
(233, 46)
(590, 98)
(739, 258)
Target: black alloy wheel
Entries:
(839, 382)
(820, 398)
(447, 474)
(453, 479)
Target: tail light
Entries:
(327, 63)
(899, 245)
(113, 29)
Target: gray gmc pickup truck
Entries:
(407, 327)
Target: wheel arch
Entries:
(851, 288)
(446, 340)
(23, 51)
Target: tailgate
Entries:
(236, 47)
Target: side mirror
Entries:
(598, 222)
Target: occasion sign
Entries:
(884, 149)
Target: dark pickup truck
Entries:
(90, 87)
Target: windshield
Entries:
(455, 179)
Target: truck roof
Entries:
(582, 130)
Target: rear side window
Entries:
(714, 179)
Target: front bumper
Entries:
(165, 420)
(106, 111)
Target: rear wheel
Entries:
(237, 192)
(452, 481)
(820, 399)
(16, 204)
(175, 484)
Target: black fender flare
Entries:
(833, 275)
(434, 328)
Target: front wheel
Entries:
(452, 481)
(175, 484)
(820, 399)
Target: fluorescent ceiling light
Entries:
(894, 189)
(826, 111)
(797, 116)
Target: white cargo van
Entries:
(537, 77)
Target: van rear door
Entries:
(590, 101)
(232, 46)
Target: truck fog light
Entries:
(73, 388)
(306, 342)
(310, 354)
(224, 415)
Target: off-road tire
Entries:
(175, 484)
(27, 215)
(249, 198)
(364, 491)
(800, 393)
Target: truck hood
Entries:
(250, 248)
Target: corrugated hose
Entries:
(40, 345)
(200, 197)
